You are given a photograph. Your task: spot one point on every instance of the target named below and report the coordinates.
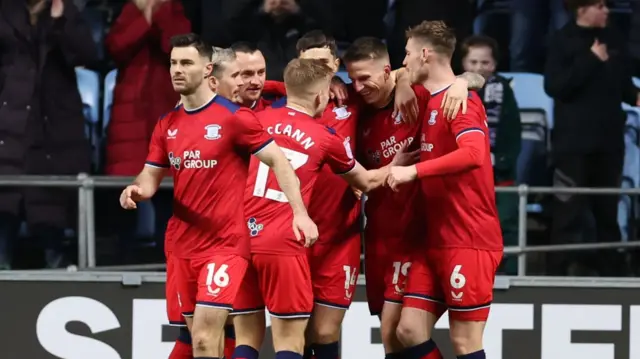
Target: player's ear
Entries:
(336, 64)
(213, 83)
(424, 54)
(208, 69)
(387, 72)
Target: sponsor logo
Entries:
(254, 227)
(171, 134)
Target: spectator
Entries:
(41, 117)
(588, 75)
(530, 24)
(275, 27)
(458, 14)
(480, 55)
(139, 44)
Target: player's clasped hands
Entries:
(131, 195)
(305, 230)
(399, 175)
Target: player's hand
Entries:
(129, 197)
(338, 91)
(357, 193)
(305, 230)
(600, 50)
(455, 98)
(404, 158)
(405, 104)
(400, 175)
(149, 9)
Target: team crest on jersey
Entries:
(213, 132)
(254, 226)
(432, 118)
(174, 161)
(171, 134)
(398, 119)
(374, 156)
(341, 113)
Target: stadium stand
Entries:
(89, 88)
(109, 85)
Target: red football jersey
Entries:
(379, 139)
(309, 146)
(460, 208)
(207, 151)
(334, 207)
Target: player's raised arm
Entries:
(147, 182)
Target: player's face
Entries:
(415, 61)
(480, 60)
(595, 15)
(188, 69)
(370, 79)
(323, 53)
(229, 83)
(253, 73)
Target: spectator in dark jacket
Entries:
(273, 25)
(634, 38)
(588, 75)
(41, 117)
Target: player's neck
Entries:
(440, 76)
(197, 99)
(300, 106)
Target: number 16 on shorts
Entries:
(351, 277)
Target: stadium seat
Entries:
(633, 122)
(89, 87)
(344, 76)
(109, 85)
(530, 95)
(636, 81)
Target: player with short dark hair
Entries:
(462, 245)
(280, 276)
(253, 72)
(381, 133)
(204, 143)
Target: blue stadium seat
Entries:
(109, 85)
(636, 81)
(344, 76)
(530, 95)
(89, 87)
(633, 122)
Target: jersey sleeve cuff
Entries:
(156, 164)
(262, 146)
(347, 171)
(469, 130)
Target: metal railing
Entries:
(86, 186)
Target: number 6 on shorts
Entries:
(457, 280)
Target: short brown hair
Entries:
(192, 40)
(366, 48)
(301, 74)
(436, 33)
(480, 41)
(317, 39)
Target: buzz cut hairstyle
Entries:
(302, 75)
(220, 56)
(244, 47)
(316, 39)
(192, 40)
(437, 34)
(480, 41)
(366, 48)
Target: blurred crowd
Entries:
(587, 51)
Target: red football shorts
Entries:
(334, 271)
(458, 279)
(374, 273)
(209, 281)
(282, 283)
(174, 314)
